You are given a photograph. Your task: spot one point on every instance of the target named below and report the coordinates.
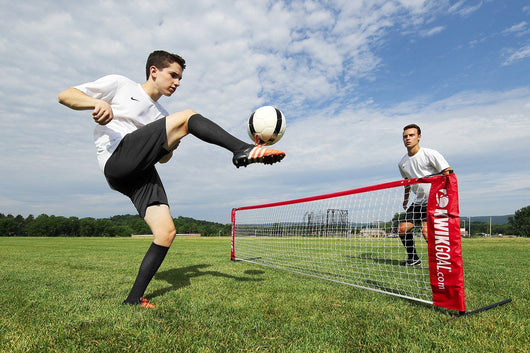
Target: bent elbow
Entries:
(61, 98)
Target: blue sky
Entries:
(348, 75)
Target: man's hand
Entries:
(102, 113)
(77, 100)
(406, 196)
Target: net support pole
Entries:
(444, 243)
(232, 243)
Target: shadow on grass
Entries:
(181, 277)
(369, 256)
(391, 262)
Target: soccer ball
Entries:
(266, 125)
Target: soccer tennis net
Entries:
(357, 237)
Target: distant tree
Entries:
(8, 226)
(121, 231)
(87, 227)
(521, 222)
(115, 226)
(130, 224)
(479, 227)
(40, 227)
(73, 227)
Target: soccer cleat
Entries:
(257, 154)
(144, 303)
(412, 262)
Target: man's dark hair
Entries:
(412, 126)
(162, 59)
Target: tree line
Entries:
(125, 225)
(518, 225)
(116, 226)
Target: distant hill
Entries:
(494, 219)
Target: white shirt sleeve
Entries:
(103, 88)
(437, 160)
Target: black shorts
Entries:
(131, 167)
(416, 213)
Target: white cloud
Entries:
(462, 9)
(432, 31)
(517, 28)
(517, 55)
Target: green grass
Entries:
(64, 295)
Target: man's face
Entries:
(168, 79)
(411, 138)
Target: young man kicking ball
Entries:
(135, 132)
(417, 163)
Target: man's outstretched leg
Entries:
(161, 223)
(180, 124)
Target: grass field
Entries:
(64, 295)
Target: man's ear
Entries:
(153, 71)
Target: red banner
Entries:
(444, 243)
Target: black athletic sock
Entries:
(210, 132)
(152, 260)
(408, 243)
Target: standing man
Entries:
(417, 163)
(135, 132)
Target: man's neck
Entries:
(414, 150)
(151, 90)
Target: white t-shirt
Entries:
(425, 162)
(131, 106)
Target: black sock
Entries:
(152, 260)
(408, 243)
(210, 132)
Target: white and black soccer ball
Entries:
(266, 125)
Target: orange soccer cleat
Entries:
(257, 154)
(144, 303)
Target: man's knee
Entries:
(164, 236)
(177, 125)
(181, 117)
(159, 220)
(168, 234)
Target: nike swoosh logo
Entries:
(134, 99)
